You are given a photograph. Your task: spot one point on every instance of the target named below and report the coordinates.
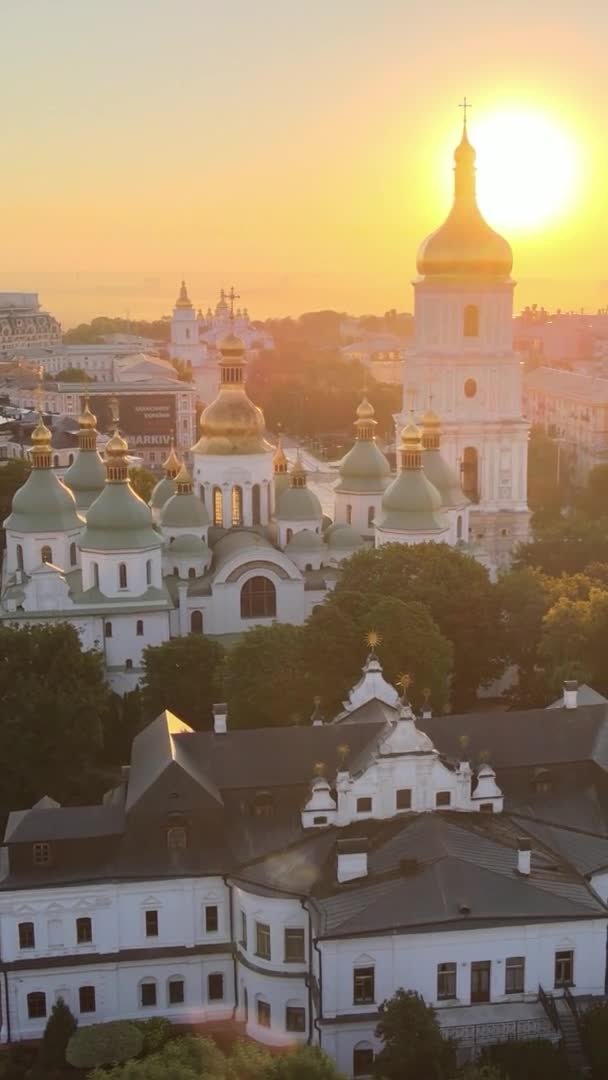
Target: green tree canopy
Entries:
(412, 643)
(183, 675)
(594, 1037)
(104, 1044)
(527, 1059)
(304, 1063)
(142, 482)
(59, 1029)
(413, 1044)
(333, 651)
(265, 680)
(54, 703)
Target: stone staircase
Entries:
(571, 1038)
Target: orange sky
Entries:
(301, 150)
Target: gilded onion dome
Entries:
(364, 468)
(436, 467)
(232, 424)
(43, 504)
(411, 503)
(118, 520)
(165, 488)
(86, 476)
(465, 245)
(183, 300)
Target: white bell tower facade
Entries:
(463, 364)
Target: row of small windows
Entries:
(122, 573)
(84, 928)
(364, 989)
(210, 920)
(371, 514)
(56, 460)
(236, 505)
(148, 995)
(295, 1016)
(27, 933)
(403, 800)
(293, 941)
(139, 630)
(36, 1002)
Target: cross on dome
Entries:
(464, 105)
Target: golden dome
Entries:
(87, 419)
(172, 465)
(183, 300)
(41, 435)
(231, 346)
(465, 245)
(411, 436)
(231, 425)
(430, 420)
(183, 476)
(116, 446)
(279, 460)
(365, 411)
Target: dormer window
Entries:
(263, 804)
(542, 782)
(177, 837)
(364, 804)
(41, 854)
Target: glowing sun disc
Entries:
(527, 168)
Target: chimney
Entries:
(220, 718)
(524, 856)
(570, 694)
(352, 859)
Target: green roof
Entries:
(184, 511)
(119, 520)
(86, 477)
(304, 540)
(344, 536)
(437, 470)
(43, 505)
(364, 468)
(298, 504)
(239, 540)
(412, 504)
(162, 492)
(188, 544)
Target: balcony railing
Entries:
(501, 1031)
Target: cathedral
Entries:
(240, 539)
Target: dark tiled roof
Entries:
(68, 822)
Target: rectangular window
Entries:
(211, 919)
(41, 854)
(364, 805)
(84, 931)
(294, 946)
(86, 999)
(363, 1061)
(176, 991)
(446, 981)
(295, 1018)
(515, 967)
(403, 799)
(148, 994)
(36, 1005)
(443, 798)
(480, 980)
(27, 937)
(243, 929)
(215, 987)
(151, 923)
(363, 986)
(564, 967)
(263, 1014)
(262, 940)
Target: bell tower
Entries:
(463, 362)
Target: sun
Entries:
(527, 168)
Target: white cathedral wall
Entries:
(229, 470)
(440, 310)
(108, 572)
(124, 642)
(362, 508)
(32, 545)
(390, 536)
(223, 608)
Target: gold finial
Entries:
(426, 694)
(319, 768)
(404, 681)
(373, 639)
(172, 465)
(279, 459)
(464, 105)
(232, 296)
(114, 410)
(343, 752)
(38, 398)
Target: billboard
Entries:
(145, 419)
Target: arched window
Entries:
(177, 837)
(46, 554)
(201, 492)
(371, 513)
(258, 599)
(196, 622)
(19, 557)
(56, 461)
(470, 325)
(70, 459)
(191, 572)
(459, 527)
(262, 804)
(122, 575)
(349, 514)
(470, 473)
(95, 569)
(139, 629)
(147, 993)
(218, 507)
(72, 554)
(288, 535)
(176, 571)
(128, 665)
(175, 990)
(363, 1059)
(148, 571)
(256, 504)
(108, 629)
(237, 505)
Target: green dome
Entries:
(344, 536)
(304, 540)
(364, 468)
(86, 478)
(437, 470)
(43, 505)
(412, 504)
(119, 520)
(184, 511)
(162, 492)
(188, 544)
(298, 504)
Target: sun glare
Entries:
(527, 168)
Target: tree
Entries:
(185, 1058)
(413, 1044)
(412, 643)
(54, 703)
(104, 1044)
(480, 1072)
(595, 499)
(458, 594)
(248, 1061)
(566, 545)
(183, 675)
(546, 494)
(333, 651)
(142, 482)
(528, 1059)
(59, 1029)
(524, 598)
(266, 683)
(69, 374)
(304, 1063)
(594, 1038)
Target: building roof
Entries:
(184, 510)
(298, 504)
(567, 385)
(43, 504)
(162, 492)
(86, 478)
(119, 520)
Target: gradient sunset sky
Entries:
(301, 150)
